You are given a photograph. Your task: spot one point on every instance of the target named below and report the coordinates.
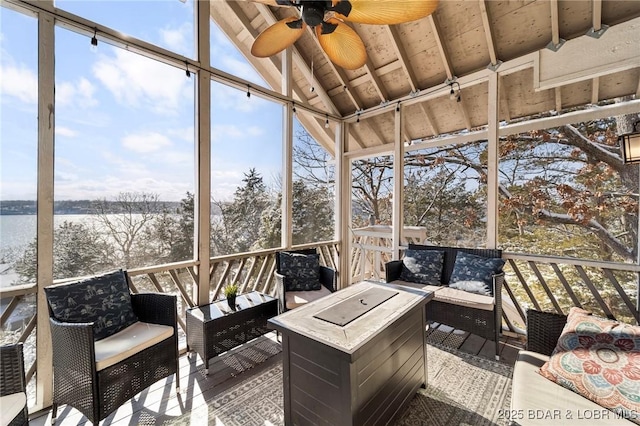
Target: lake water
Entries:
(17, 231)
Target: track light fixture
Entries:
(188, 73)
(294, 108)
(398, 107)
(248, 91)
(326, 121)
(94, 40)
(454, 94)
(358, 116)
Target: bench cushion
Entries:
(133, 339)
(293, 299)
(12, 405)
(536, 400)
(464, 298)
(470, 267)
(301, 271)
(104, 300)
(422, 266)
(453, 296)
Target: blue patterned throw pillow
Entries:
(470, 267)
(422, 266)
(104, 300)
(301, 271)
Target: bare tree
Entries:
(124, 219)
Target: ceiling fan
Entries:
(340, 42)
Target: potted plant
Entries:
(231, 291)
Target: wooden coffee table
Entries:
(215, 328)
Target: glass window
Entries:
(124, 159)
(165, 23)
(445, 193)
(225, 56)
(313, 179)
(18, 146)
(18, 175)
(246, 170)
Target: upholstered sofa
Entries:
(465, 309)
(537, 400)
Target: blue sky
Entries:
(125, 122)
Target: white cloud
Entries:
(79, 93)
(65, 131)
(20, 82)
(222, 132)
(186, 134)
(177, 39)
(141, 82)
(146, 142)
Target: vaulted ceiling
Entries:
(550, 56)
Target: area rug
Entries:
(463, 389)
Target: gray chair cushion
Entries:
(469, 267)
(103, 300)
(301, 271)
(422, 266)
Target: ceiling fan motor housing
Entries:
(313, 12)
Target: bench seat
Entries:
(453, 295)
(129, 341)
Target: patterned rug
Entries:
(463, 389)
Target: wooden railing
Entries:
(548, 283)
(541, 282)
(372, 248)
(251, 271)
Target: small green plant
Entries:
(230, 290)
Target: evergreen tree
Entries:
(239, 228)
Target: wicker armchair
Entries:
(13, 386)
(485, 323)
(289, 299)
(96, 376)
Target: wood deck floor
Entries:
(160, 404)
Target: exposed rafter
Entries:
(444, 56)
(486, 23)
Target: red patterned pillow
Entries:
(600, 360)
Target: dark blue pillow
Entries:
(301, 271)
(470, 267)
(103, 300)
(422, 266)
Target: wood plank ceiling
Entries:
(463, 40)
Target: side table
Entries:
(215, 328)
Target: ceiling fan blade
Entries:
(278, 37)
(343, 45)
(385, 12)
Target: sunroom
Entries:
(484, 124)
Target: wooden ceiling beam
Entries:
(444, 56)
(375, 80)
(504, 99)
(555, 25)
(486, 23)
(596, 15)
(402, 56)
(558, 98)
(595, 90)
(596, 22)
(431, 121)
